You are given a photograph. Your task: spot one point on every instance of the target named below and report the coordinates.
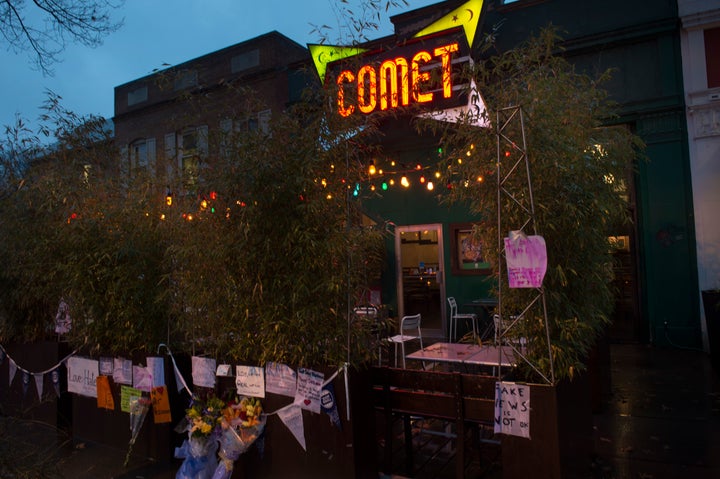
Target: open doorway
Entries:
(421, 285)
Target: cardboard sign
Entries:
(512, 409)
(104, 394)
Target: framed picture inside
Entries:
(468, 255)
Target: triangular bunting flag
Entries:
(12, 369)
(25, 382)
(39, 377)
(291, 416)
(466, 15)
(55, 377)
(324, 54)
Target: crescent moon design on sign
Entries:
(472, 14)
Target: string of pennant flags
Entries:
(309, 389)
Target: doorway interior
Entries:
(420, 273)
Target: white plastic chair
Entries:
(408, 324)
(455, 316)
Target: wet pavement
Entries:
(660, 419)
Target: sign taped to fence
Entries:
(512, 409)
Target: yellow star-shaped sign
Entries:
(466, 15)
(324, 54)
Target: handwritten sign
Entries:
(309, 387)
(126, 395)
(122, 371)
(106, 366)
(156, 366)
(250, 381)
(512, 409)
(161, 405)
(142, 379)
(104, 394)
(281, 379)
(203, 372)
(82, 376)
(526, 258)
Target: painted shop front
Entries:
(655, 268)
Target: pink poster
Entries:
(526, 260)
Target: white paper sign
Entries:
(291, 416)
(526, 260)
(512, 409)
(106, 366)
(142, 379)
(203, 372)
(223, 370)
(250, 381)
(122, 371)
(82, 374)
(309, 388)
(156, 366)
(280, 379)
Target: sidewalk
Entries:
(663, 417)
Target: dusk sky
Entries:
(157, 32)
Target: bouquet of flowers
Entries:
(242, 423)
(203, 420)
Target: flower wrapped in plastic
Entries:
(199, 450)
(242, 423)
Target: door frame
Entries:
(440, 275)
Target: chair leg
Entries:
(402, 346)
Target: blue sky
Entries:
(157, 32)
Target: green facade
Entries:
(639, 40)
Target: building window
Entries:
(142, 155)
(245, 61)
(186, 79)
(136, 96)
(712, 56)
(189, 159)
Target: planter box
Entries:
(561, 426)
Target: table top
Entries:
(465, 354)
(483, 302)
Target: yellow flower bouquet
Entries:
(242, 423)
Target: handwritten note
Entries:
(512, 409)
(281, 379)
(156, 366)
(309, 387)
(82, 376)
(203, 372)
(126, 395)
(526, 258)
(142, 379)
(250, 381)
(122, 371)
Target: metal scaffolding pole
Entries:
(515, 200)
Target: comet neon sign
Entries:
(419, 70)
(395, 82)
